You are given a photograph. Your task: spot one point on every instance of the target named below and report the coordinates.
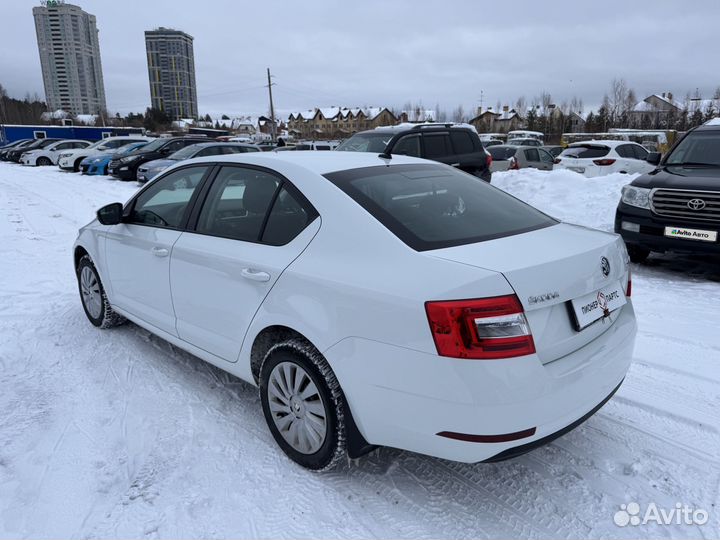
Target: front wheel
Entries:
(303, 405)
(93, 297)
(637, 254)
(76, 166)
(43, 162)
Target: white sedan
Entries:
(395, 302)
(51, 153)
(598, 158)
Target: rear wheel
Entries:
(637, 254)
(93, 297)
(303, 405)
(43, 162)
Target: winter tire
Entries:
(303, 405)
(93, 297)
(43, 162)
(76, 166)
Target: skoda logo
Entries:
(696, 204)
(605, 265)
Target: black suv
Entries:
(125, 168)
(453, 144)
(677, 206)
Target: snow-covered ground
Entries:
(118, 434)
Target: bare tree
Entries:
(459, 114)
(716, 95)
(520, 105)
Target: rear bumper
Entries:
(652, 228)
(404, 399)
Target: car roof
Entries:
(608, 143)
(222, 143)
(317, 162)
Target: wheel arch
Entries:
(357, 445)
(78, 254)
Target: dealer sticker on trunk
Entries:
(598, 304)
(691, 234)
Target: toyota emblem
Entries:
(605, 265)
(696, 204)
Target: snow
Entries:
(118, 434)
(713, 122)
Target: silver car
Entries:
(511, 157)
(147, 171)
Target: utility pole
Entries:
(273, 127)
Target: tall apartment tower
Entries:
(70, 58)
(171, 69)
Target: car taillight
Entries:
(488, 159)
(557, 160)
(485, 328)
(603, 162)
(628, 291)
(514, 166)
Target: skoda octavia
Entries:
(373, 300)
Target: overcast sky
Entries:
(324, 53)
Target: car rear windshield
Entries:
(586, 151)
(698, 148)
(499, 153)
(366, 142)
(432, 207)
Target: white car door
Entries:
(137, 251)
(252, 225)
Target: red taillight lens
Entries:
(514, 164)
(628, 291)
(557, 160)
(488, 160)
(603, 162)
(485, 328)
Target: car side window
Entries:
(437, 145)
(64, 146)
(545, 156)
(626, 151)
(173, 146)
(462, 142)
(165, 202)
(532, 154)
(237, 203)
(408, 146)
(212, 151)
(287, 219)
(640, 152)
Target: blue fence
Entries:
(11, 133)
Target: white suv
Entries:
(50, 154)
(70, 161)
(374, 301)
(598, 158)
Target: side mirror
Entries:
(110, 214)
(654, 158)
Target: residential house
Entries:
(337, 122)
(490, 121)
(654, 110)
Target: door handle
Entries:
(159, 252)
(255, 275)
(455, 165)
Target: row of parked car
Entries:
(141, 158)
(130, 157)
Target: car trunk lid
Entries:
(548, 268)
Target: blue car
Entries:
(98, 164)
